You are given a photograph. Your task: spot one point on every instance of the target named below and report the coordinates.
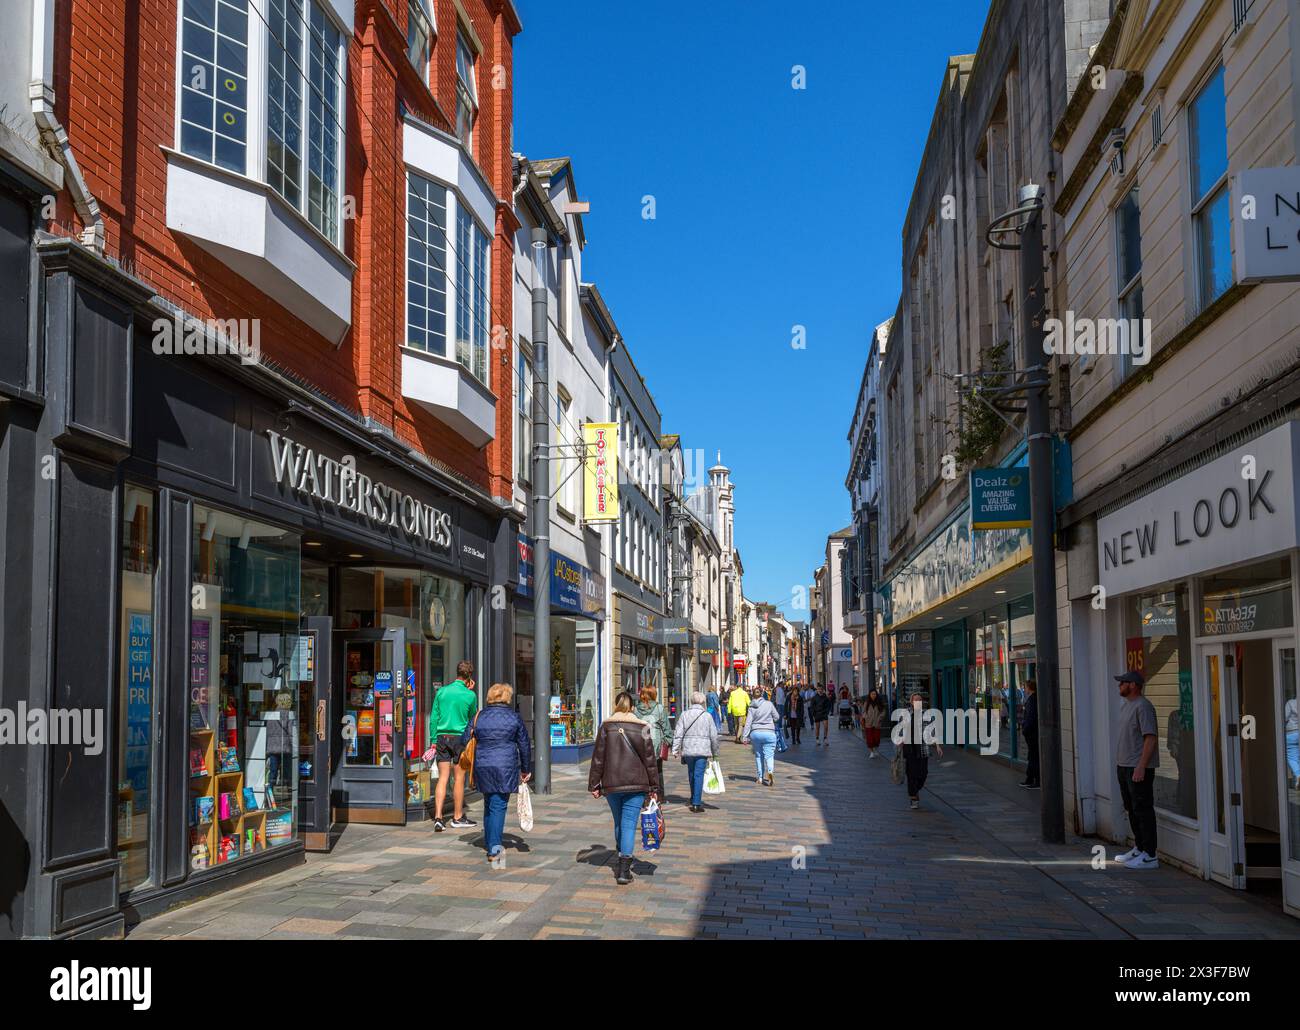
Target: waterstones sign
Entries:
(339, 484)
(1239, 507)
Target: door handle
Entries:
(320, 719)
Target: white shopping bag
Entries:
(524, 806)
(713, 781)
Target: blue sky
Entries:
(774, 207)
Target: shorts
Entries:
(448, 748)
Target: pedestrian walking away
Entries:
(714, 707)
(1136, 757)
(503, 759)
(845, 709)
(624, 770)
(794, 715)
(652, 713)
(453, 707)
(737, 706)
(873, 717)
(726, 708)
(760, 733)
(916, 753)
(821, 714)
(1029, 728)
(695, 742)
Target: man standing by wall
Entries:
(1136, 756)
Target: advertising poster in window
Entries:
(139, 703)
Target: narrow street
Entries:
(831, 851)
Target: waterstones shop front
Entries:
(959, 626)
(262, 595)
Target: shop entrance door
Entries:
(1228, 833)
(313, 751)
(1287, 736)
(369, 782)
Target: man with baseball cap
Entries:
(1137, 755)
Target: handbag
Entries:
(466, 762)
(524, 808)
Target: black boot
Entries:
(624, 870)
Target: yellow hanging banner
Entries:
(600, 472)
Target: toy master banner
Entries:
(600, 472)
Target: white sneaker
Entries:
(1143, 861)
(1127, 857)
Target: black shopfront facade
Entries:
(260, 592)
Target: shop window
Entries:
(135, 714)
(573, 668)
(244, 657)
(989, 676)
(1157, 643)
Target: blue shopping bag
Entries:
(652, 826)
(782, 745)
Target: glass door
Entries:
(1228, 833)
(370, 697)
(1284, 656)
(314, 677)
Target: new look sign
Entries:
(1239, 507)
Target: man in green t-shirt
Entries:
(453, 707)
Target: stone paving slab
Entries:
(830, 851)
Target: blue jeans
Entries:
(626, 809)
(764, 744)
(1293, 752)
(494, 820)
(695, 766)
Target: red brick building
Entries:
(255, 426)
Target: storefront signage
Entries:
(708, 645)
(1266, 247)
(339, 483)
(600, 472)
(566, 584)
(638, 622)
(1238, 507)
(1246, 610)
(676, 632)
(574, 587)
(999, 498)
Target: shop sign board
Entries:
(1267, 233)
(1238, 507)
(999, 498)
(600, 472)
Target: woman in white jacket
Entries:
(695, 741)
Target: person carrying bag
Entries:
(696, 742)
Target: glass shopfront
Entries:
(573, 668)
(244, 663)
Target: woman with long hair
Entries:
(624, 770)
(873, 717)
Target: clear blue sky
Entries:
(775, 207)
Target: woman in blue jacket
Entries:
(503, 759)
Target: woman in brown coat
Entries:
(624, 769)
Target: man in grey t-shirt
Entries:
(1137, 754)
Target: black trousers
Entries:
(1031, 761)
(1140, 804)
(917, 770)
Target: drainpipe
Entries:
(40, 92)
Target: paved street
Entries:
(832, 851)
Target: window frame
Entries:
(466, 91)
(1127, 290)
(1201, 206)
(523, 412)
(425, 12)
(446, 275)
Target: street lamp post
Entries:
(541, 524)
(1042, 499)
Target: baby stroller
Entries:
(846, 714)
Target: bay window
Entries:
(471, 295)
(214, 82)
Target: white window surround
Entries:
(437, 155)
(447, 390)
(241, 220)
(249, 227)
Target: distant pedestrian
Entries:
(737, 706)
(726, 708)
(820, 710)
(695, 742)
(714, 707)
(916, 754)
(652, 713)
(760, 733)
(845, 709)
(873, 717)
(503, 759)
(624, 771)
(1029, 728)
(794, 715)
(1136, 756)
